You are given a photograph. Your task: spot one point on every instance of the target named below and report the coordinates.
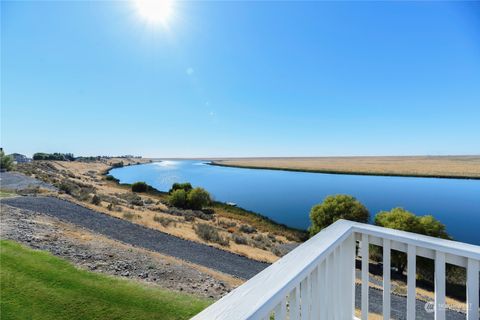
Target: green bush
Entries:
(198, 198)
(140, 187)
(111, 178)
(186, 186)
(401, 219)
(178, 198)
(334, 208)
(6, 162)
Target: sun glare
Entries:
(155, 11)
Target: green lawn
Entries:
(37, 285)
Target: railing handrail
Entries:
(261, 294)
(437, 244)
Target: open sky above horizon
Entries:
(232, 79)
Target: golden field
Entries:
(417, 166)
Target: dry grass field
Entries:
(417, 166)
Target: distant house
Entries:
(20, 158)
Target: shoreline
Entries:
(233, 210)
(353, 173)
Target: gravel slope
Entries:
(137, 235)
(17, 181)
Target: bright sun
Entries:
(155, 11)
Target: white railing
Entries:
(317, 279)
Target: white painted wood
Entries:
(315, 301)
(322, 285)
(294, 304)
(472, 289)
(364, 253)
(386, 279)
(330, 286)
(337, 300)
(280, 310)
(411, 281)
(440, 286)
(304, 307)
(347, 278)
(260, 295)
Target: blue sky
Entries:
(241, 78)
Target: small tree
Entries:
(334, 208)
(401, 219)
(184, 186)
(139, 187)
(198, 198)
(178, 198)
(6, 162)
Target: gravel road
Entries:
(140, 236)
(207, 256)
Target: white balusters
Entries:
(386, 279)
(439, 285)
(411, 281)
(316, 281)
(364, 253)
(472, 289)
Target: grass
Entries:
(467, 167)
(37, 285)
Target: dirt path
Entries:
(139, 236)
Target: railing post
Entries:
(386, 279)
(347, 277)
(472, 289)
(439, 285)
(364, 251)
(411, 281)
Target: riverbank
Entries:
(451, 167)
(246, 233)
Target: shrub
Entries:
(111, 178)
(128, 215)
(247, 229)
(198, 198)
(334, 208)
(239, 239)
(163, 221)
(6, 162)
(67, 187)
(140, 187)
(186, 186)
(209, 233)
(96, 200)
(178, 198)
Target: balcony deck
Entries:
(317, 279)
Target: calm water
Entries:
(287, 196)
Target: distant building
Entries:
(20, 158)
